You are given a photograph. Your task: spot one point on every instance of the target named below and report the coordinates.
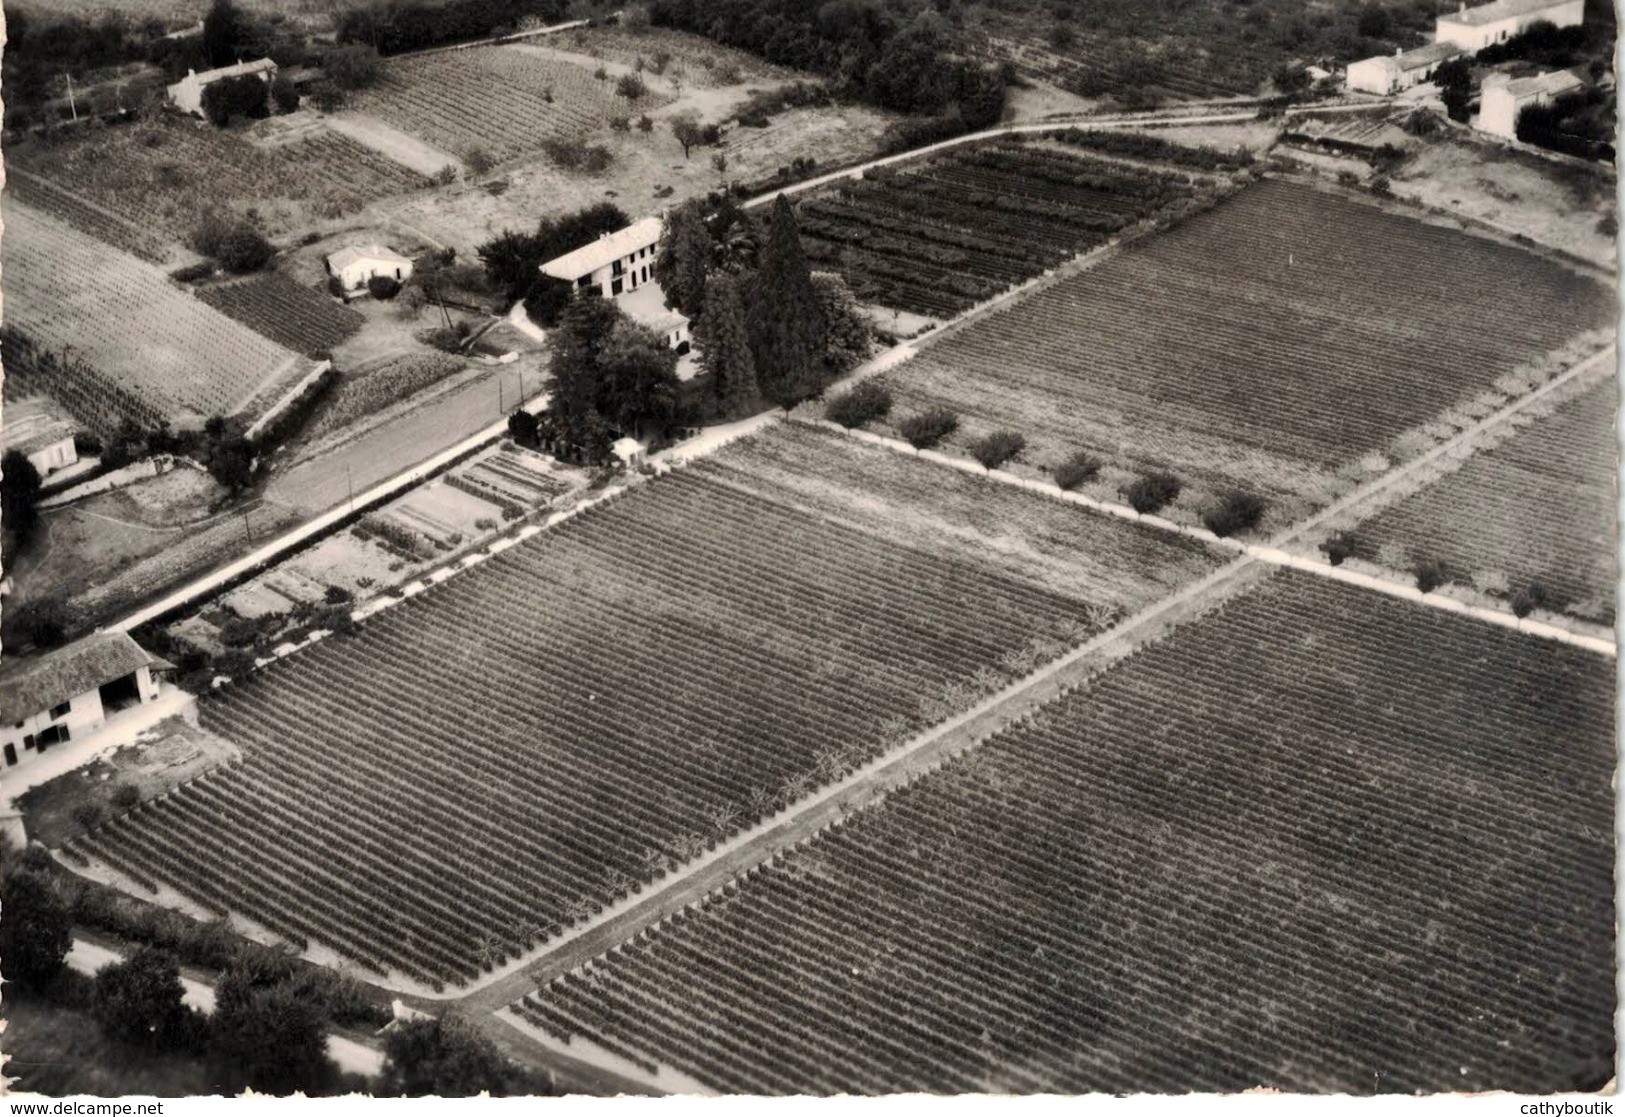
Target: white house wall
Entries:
(83, 717)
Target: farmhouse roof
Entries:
(236, 69)
(31, 685)
(29, 425)
(605, 250)
(344, 257)
(1547, 85)
(1497, 10)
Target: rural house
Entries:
(69, 693)
(620, 265)
(1504, 98)
(187, 94)
(1394, 73)
(355, 265)
(39, 431)
(1476, 28)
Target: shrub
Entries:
(242, 249)
(1340, 546)
(337, 595)
(1528, 599)
(861, 404)
(1381, 187)
(997, 448)
(1152, 492)
(353, 67)
(1079, 469)
(1236, 511)
(478, 160)
(383, 287)
(336, 619)
(87, 444)
(192, 273)
(1430, 575)
(631, 86)
(285, 94)
(928, 428)
(239, 632)
(646, 123)
(125, 796)
(41, 621)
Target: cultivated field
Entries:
(369, 389)
(1267, 344)
(1312, 841)
(698, 63)
(440, 792)
(939, 237)
(1539, 507)
(163, 173)
(298, 318)
(106, 226)
(129, 327)
(504, 101)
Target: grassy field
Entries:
(1312, 841)
(1275, 343)
(1539, 507)
(130, 326)
(689, 659)
(165, 172)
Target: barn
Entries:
(69, 693)
(39, 431)
(1394, 73)
(187, 94)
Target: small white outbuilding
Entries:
(355, 265)
(1503, 99)
(187, 94)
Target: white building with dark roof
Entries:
(1475, 28)
(1394, 73)
(1504, 98)
(40, 431)
(187, 94)
(68, 694)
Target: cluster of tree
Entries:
(1580, 123)
(234, 243)
(1555, 48)
(768, 328)
(608, 375)
(868, 48)
(513, 260)
(246, 95)
(230, 35)
(394, 26)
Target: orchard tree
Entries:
(724, 339)
(685, 252)
(686, 128)
(787, 329)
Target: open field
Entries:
(669, 670)
(1539, 507)
(1312, 841)
(501, 100)
(130, 327)
(163, 173)
(698, 63)
(298, 318)
(940, 236)
(1267, 344)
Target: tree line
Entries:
(394, 26)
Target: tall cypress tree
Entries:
(684, 253)
(725, 348)
(786, 325)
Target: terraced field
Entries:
(524, 744)
(1319, 840)
(1537, 508)
(1266, 344)
(132, 334)
(504, 100)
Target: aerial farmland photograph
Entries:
(809, 547)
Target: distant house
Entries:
(1394, 73)
(41, 432)
(68, 694)
(620, 266)
(1474, 29)
(187, 94)
(1504, 98)
(614, 264)
(353, 266)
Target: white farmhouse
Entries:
(68, 694)
(1504, 98)
(187, 94)
(1394, 73)
(620, 266)
(1476, 28)
(40, 432)
(353, 266)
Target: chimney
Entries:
(1398, 51)
(1463, 9)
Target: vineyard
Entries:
(1265, 343)
(369, 389)
(522, 745)
(504, 100)
(1311, 841)
(123, 324)
(1537, 508)
(110, 228)
(939, 237)
(276, 307)
(163, 173)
